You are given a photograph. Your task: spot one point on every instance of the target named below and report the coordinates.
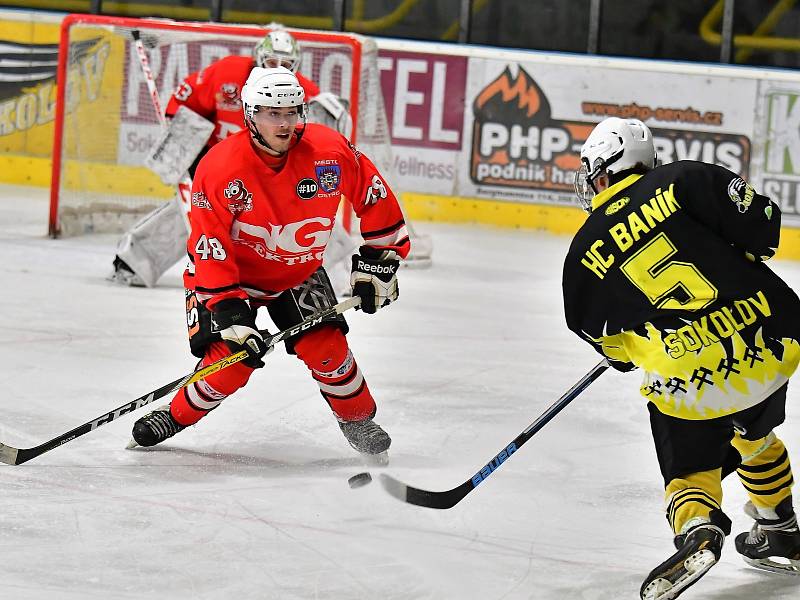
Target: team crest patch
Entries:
(329, 177)
(239, 198)
(228, 97)
(741, 194)
(200, 200)
(307, 188)
(617, 205)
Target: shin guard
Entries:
(195, 401)
(325, 352)
(765, 472)
(690, 500)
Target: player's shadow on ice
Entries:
(296, 465)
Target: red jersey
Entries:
(257, 230)
(215, 93)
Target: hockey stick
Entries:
(450, 498)
(185, 184)
(17, 456)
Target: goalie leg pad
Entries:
(195, 401)
(325, 352)
(155, 243)
(297, 304)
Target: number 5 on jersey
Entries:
(206, 247)
(668, 284)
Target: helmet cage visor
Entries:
(280, 60)
(584, 189)
(585, 176)
(277, 116)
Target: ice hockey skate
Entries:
(698, 551)
(772, 544)
(368, 438)
(154, 428)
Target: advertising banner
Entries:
(28, 58)
(526, 121)
(464, 121)
(777, 157)
(424, 95)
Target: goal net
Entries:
(105, 121)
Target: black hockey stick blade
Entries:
(449, 498)
(17, 456)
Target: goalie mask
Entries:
(272, 88)
(277, 49)
(614, 146)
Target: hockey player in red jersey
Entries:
(263, 206)
(156, 242)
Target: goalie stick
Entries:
(185, 184)
(17, 456)
(450, 498)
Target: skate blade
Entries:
(695, 566)
(792, 567)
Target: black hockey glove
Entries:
(374, 278)
(236, 324)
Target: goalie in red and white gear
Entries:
(264, 205)
(158, 240)
(215, 92)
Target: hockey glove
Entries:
(236, 324)
(374, 278)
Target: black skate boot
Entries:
(698, 551)
(367, 437)
(772, 544)
(154, 428)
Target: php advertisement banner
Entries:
(525, 116)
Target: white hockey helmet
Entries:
(615, 145)
(278, 48)
(275, 87)
(331, 110)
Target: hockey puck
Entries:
(359, 480)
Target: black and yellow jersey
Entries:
(666, 274)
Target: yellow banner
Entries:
(27, 91)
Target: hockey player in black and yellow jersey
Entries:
(667, 275)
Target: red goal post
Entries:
(105, 122)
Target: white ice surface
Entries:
(253, 502)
